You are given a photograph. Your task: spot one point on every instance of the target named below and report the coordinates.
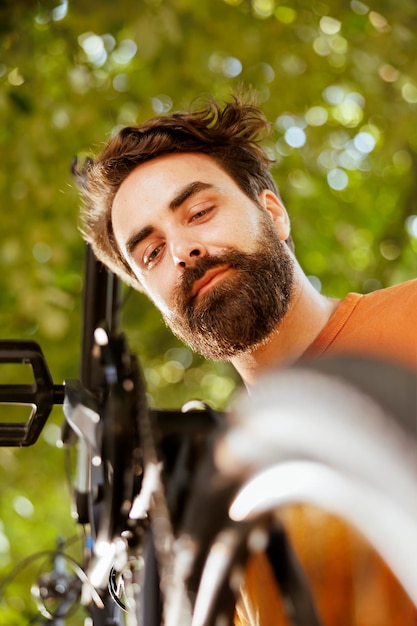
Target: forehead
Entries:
(156, 182)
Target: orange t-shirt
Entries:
(381, 324)
(351, 584)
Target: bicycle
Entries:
(145, 477)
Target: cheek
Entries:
(161, 293)
(232, 234)
(245, 234)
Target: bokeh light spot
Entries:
(161, 104)
(285, 14)
(293, 64)
(348, 113)
(60, 11)
(121, 82)
(263, 8)
(329, 25)
(337, 179)
(333, 94)
(411, 225)
(41, 252)
(388, 73)
(172, 371)
(125, 52)
(93, 47)
(379, 22)
(359, 7)
(15, 78)
(52, 435)
(316, 116)
(364, 142)
(232, 67)
(389, 249)
(295, 137)
(409, 93)
(23, 506)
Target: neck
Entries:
(308, 313)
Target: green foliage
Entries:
(338, 80)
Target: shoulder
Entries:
(400, 296)
(381, 324)
(409, 286)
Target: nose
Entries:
(186, 252)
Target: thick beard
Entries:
(244, 308)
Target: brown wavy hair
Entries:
(231, 135)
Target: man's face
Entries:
(211, 259)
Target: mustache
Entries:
(233, 259)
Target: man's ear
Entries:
(273, 205)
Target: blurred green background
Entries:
(337, 79)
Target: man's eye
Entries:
(150, 257)
(201, 213)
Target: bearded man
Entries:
(184, 208)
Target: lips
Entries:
(208, 280)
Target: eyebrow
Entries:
(187, 191)
(133, 241)
(182, 196)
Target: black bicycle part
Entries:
(41, 395)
